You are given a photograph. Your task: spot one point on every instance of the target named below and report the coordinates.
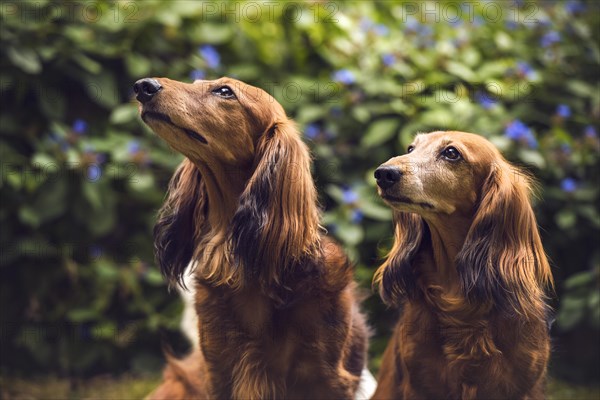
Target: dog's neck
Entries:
(447, 235)
(224, 186)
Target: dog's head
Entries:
(217, 121)
(246, 180)
(442, 172)
(448, 179)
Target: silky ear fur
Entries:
(502, 260)
(396, 277)
(277, 222)
(180, 219)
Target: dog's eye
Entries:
(225, 92)
(451, 154)
(410, 149)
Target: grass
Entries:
(128, 387)
(49, 388)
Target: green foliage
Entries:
(82, 178)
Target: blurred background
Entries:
(84, 309)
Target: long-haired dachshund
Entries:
(275, 299)
(469, 270)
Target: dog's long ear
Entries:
(502, 260)
(395, 277)
(179, 223)
(277, 222)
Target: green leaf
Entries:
(349, 234)
(106, 270)
(87, 63)
(503, 40)
(571, 312)
(310, 113)
(532, 157)
(154, 278)
(82, 315)
(52, 102)
(579, 279)
(460, 70)
(376, 211)
(105, 330)
(335, 192)
(213, 33)
(142, 181)
(438, 118)
(103, 89)
(124, 113)
(50, 199)
(566, 219)
(92, 192)
(26, 59)
(379, 132)
(138, 65)
(361, 113)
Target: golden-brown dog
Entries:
(469, 269)
(278, 315)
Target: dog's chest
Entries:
(451, 356)
(249, 323)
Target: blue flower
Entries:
(80, 126)
(412, 25)
(349, 196)
(344, 76)
(423, 31)
(312, 131)
(485, 100)
(568, 185)
(133, 146)
(524, 69)
(60, 141)
(426, 30)
(456, 22)
(388, 59)
(94, 172)
(518, 131)
(574, 6)
(336, 111)
(332, 228)
(550, 39)
(357, 216)
(590, 132)
(544, 21)
(566, 148)
(563, 111)
(95, 251)
(381, 30)
(210, 55)
(197, 74)
(511, 25)
(365, 24)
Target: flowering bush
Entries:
(82, 178)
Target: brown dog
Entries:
(278, 314)
(469, 269)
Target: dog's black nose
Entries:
(387, 176)
(145, 89)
